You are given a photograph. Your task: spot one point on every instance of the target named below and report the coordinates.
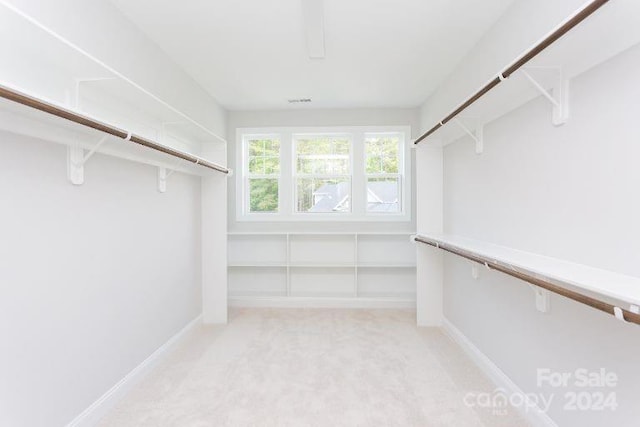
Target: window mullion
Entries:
(358, 181)
(324, 154)
(286, 174)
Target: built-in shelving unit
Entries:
(352, 269)
(556, 59)
(38, 63)
(611, 292)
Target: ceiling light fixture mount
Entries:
(313, 18)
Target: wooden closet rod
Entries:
(559, 32)
(57, 111)
(530, 277)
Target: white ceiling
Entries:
(252, 54)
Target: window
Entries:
(382, 169)
(263, 174)
(322, 173)
(315, 174)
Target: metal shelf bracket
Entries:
(477, 134)
(543, 299)
(163, 175)
(475, 270)
(558, 96)
(76, 159)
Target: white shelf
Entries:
(257, 264)
(385, 233)
(22, 120)
(608, 32)
(117, 99)
(386, 265)
(602, 282)
(398, 296)
(258, 294)
(322, 302)
(40, 63)
(318, 233)
(272, 281)
(323, 265)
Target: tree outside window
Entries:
(323, 174)
(263, 177)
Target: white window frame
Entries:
(286, 184)
(246, 176)
(296, 176)
(399, 175)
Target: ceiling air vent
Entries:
(299, 100)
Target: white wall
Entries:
(523, 24)
(214, 248)
(93, 279)
(310, 118)
(568, 192)
(429, 212)
(99, 28)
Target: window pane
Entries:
(271, 165)
(383, 195)
(263, 195)
(256, 165)
(323, 145)
(264, 156)
(382, 154)
(323, 155)
(330, 164)
(323, 195)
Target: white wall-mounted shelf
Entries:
(322, 265)
(22, 120)
(360, 267)
(117, 100)
(386, 265)
(609, 289)
(257, 264)
(40, 63)
(611, 30)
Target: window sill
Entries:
(302, 217)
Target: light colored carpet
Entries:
(311, 367)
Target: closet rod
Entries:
(532, 278)
(57, 111)
(555, 35)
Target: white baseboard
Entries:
(93, 414)
(321, 302)
(537, 418)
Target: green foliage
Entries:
(382, 155)
(324, 155)
(323, 145)
(263, 195)
(264, 159)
